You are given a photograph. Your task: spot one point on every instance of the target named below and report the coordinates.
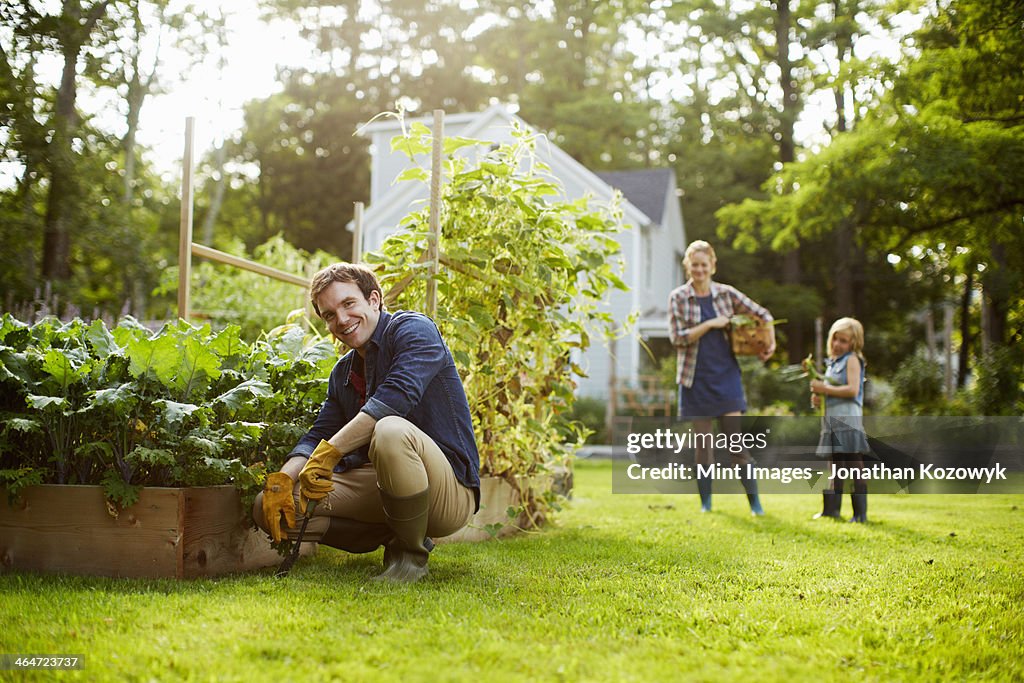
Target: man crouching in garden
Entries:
(391, 459)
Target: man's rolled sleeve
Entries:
(378, 409)
(302, 450)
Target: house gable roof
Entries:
(475, 125)
(646, 189)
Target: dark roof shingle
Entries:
(644, 188)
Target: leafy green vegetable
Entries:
(127, 407)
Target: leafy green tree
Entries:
(750, 69)
(936, 166)
(131, 64)
(391, 51)
(23, 142)
(310, 166)
(85, 207)
(72, 30)
(725, 145)
(854, 83)
(570, 69)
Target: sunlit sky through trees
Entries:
(215, 90)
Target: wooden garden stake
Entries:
(435, 211)
(185, 233)
(357, 234)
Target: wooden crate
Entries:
(168, 533)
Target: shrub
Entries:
(998, 387)
(917, 387)
(590, 412)
(771, 392)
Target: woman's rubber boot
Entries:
(860, 507)
(704, 489)
(405, 557)
(831, 502)
(356, 537)
(750, 486)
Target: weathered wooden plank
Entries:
(168, 533)
(67, 529)
(218, 539)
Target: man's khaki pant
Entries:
(403, 461)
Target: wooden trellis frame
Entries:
(187, 248)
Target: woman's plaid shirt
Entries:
(684, 313)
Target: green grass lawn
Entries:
(621, 588)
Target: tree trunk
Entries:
(133, 285)
(135, 99)
(577, 79)
(965, 329)
(791, 270)
(845, 253)
(839, 95)
(996, 287)
(262, 202)
(790, 101)
(139, 89)
(843, 42)
(846, 250)
(220, 156)
(63, 194)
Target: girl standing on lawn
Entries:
(842, 429)
(707, 373)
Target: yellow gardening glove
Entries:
(315, 478)
(277, 499)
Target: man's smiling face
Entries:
(349, 315)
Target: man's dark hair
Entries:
(362, 276)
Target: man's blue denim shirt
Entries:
(410, 373)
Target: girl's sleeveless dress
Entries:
(717, 385)
(842, 428)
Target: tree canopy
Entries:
(833, 180)
(931, 174)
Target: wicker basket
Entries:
(750, 340)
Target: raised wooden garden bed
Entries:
(169, 533)
(182, 533)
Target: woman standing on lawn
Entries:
(707, 373)
(842, 430)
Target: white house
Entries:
(652, 244)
